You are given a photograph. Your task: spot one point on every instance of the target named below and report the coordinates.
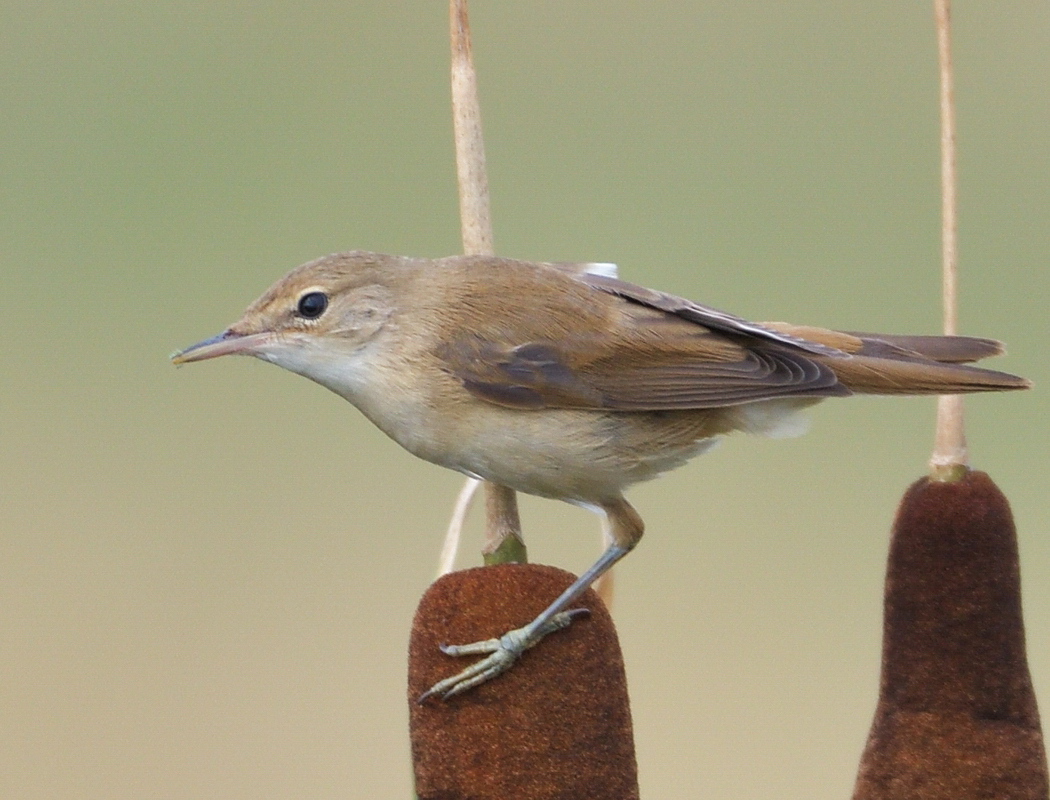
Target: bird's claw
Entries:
(503, 652)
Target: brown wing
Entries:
(650, 360)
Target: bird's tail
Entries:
(890, 364)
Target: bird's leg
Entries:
(626, 528)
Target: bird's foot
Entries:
(503, 652)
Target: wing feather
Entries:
(536, 375)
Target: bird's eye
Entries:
(312, 304)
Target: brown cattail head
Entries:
(957, 716)
(557, 725)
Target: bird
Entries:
(563, 381)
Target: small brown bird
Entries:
(560, 380)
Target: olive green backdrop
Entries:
(207, 575)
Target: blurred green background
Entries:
(207, 575)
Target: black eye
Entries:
(312, 304)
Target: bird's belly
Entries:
(576, 455)
(568, 454)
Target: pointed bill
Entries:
(225, 344)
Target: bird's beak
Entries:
(225, 344)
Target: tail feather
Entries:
(946, 349)
(866, 374)
(877, 363)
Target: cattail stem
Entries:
(950, 457)
(450, 547)
(476, 225)
(474, 211)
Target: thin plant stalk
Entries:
(950, 458)
(450, 546)
(503, 527)
(475, 212)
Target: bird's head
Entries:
(316, 318)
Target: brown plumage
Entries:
(562, 381)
